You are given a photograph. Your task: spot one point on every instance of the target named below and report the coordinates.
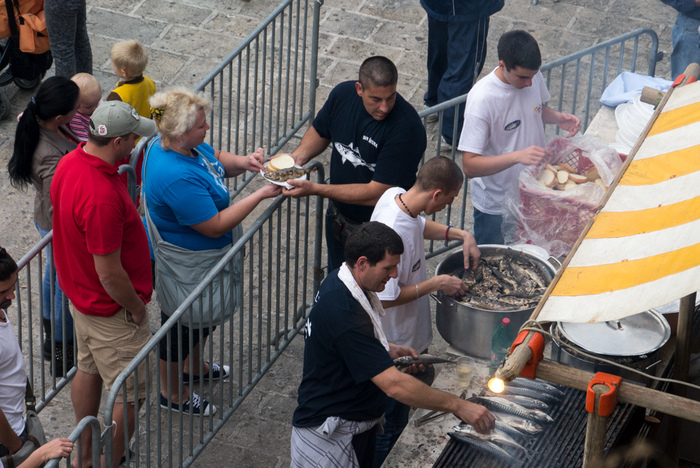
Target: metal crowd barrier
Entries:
(575, 82)
(29, 305)
(88, 422)
(264, 92)
(272, 310)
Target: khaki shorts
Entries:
(106, 345)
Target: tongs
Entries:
(432, 415)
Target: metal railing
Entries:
(29, 304)
(272, 310)
(264, 92)
(575, 82)
(88, 422)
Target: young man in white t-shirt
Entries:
(504, 129)
(405, 298)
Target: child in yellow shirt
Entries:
(129, 60)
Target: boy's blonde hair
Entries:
(175, 112)
(88, 84)
(130, 56)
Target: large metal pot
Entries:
(470, 329)
(633, 341)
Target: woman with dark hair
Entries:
(41, 140)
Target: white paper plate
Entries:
(283, 184)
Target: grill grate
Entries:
(560, 445)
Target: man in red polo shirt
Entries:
(101, 247)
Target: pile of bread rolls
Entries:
(563, 177)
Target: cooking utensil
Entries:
(468, 328)
(632, 341)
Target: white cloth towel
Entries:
(373, 306)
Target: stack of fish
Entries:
(503, 282)
(520, 412)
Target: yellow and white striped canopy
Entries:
(643, 249)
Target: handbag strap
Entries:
(11, 18)
(152, 229)
(29, 398)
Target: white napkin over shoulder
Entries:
(373, 306)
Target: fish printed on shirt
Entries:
(538, 109)
(512, 126)
(352, 154)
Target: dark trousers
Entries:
(396, 419)
(456, 53)
(487, 228)
(363, 444)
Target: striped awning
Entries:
(643, 248)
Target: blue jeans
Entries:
(456, 53)
(487, 228)
(686, 44)
(66, 22)
(60, 302)
(396, 415)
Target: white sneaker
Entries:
(444, 146)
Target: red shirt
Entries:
(93, 215)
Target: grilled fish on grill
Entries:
(525, 426)
(487, 447)
(522, 400)
(510, 430)
(503, 282)
(531, 393)
(495, 436)
(537, 384)
(507, 406)
(287, 174)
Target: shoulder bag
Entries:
(179, 271)
(35, 433)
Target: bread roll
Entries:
(562, 177)
(578, 178)
(567, 168)
(592, 174)
(279, 162)
(602, 185)
(548, 178)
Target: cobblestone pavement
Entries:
(187, 38)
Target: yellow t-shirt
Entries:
(136, 92)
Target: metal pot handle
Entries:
(435, 298)
(555, 262)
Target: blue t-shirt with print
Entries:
(184, 190)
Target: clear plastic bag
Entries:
(554, 219)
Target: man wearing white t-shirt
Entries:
(504, 129)
(13, 383)
(407, 320)
(13, 378)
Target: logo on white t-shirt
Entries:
(416, 266)
(512, 126)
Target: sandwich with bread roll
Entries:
(280, 162)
